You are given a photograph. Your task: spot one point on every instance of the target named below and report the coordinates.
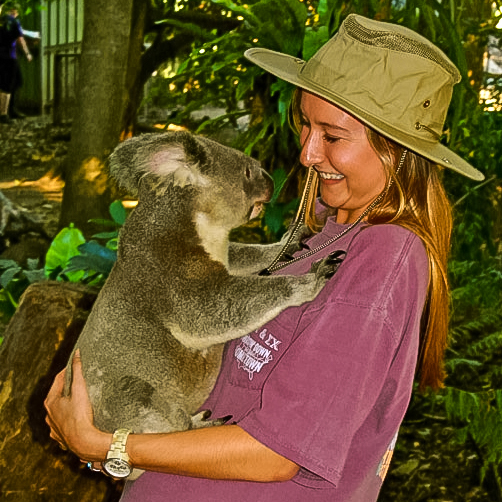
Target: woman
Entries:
(11, 34)
(318, 394)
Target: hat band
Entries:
(378, 123)
(419, 126)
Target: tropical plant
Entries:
(71, 258)
(13, 281)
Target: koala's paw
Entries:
(201, 420)
(296, 244)
(326, 268)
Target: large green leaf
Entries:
(63, 248)
(93, 257)
(118, 212)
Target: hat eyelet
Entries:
(427, 103)
(418, 126)
(447, 161)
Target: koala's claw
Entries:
(327, 267)
(336, 257)
(201, 420)
(297, 243)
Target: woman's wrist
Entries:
(93, 447)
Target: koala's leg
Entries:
(139, 404)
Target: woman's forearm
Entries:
(224, 452)
(23, 44)
(220, 452)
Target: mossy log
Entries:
(37, 344)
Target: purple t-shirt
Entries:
(10, 31)
(325, 384)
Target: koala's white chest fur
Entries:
(214, 238)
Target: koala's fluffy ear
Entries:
(163, 155)
(172, 164)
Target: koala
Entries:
(152, 346)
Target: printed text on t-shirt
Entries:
(252, 356)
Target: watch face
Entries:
(117, 468)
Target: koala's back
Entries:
(138, 375)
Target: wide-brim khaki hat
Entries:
(389, 77)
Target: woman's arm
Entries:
(224, 452)
(21, 41)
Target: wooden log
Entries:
(37, 344)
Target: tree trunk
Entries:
(134, 82)
(38, 342)
(111, 50)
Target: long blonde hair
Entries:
(415, 200)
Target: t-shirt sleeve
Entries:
(18, 30)
(324, 387)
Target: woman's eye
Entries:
(330, 139)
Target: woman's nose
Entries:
(312, 149)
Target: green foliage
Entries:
(64, 246)
(472, 399)
(478, 417)
(278, 214)
(477, 208)
(92, 265)
(13, 281)
(71, 258)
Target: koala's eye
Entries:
(248, 173)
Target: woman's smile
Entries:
(327, 177)
(336, 145)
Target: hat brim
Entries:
(288, 68)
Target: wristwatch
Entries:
(117, 463)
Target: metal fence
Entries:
(62, 27)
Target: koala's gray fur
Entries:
(152, 346)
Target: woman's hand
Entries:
(71, 419)
(226, 452)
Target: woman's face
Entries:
(351, 174)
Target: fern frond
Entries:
(452, 364)
(487, 346)
(486, 322)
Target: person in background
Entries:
(11, 34)
(318, 394)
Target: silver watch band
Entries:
(118, 446)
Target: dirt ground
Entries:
(31, 153)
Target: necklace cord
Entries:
(300, 219)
